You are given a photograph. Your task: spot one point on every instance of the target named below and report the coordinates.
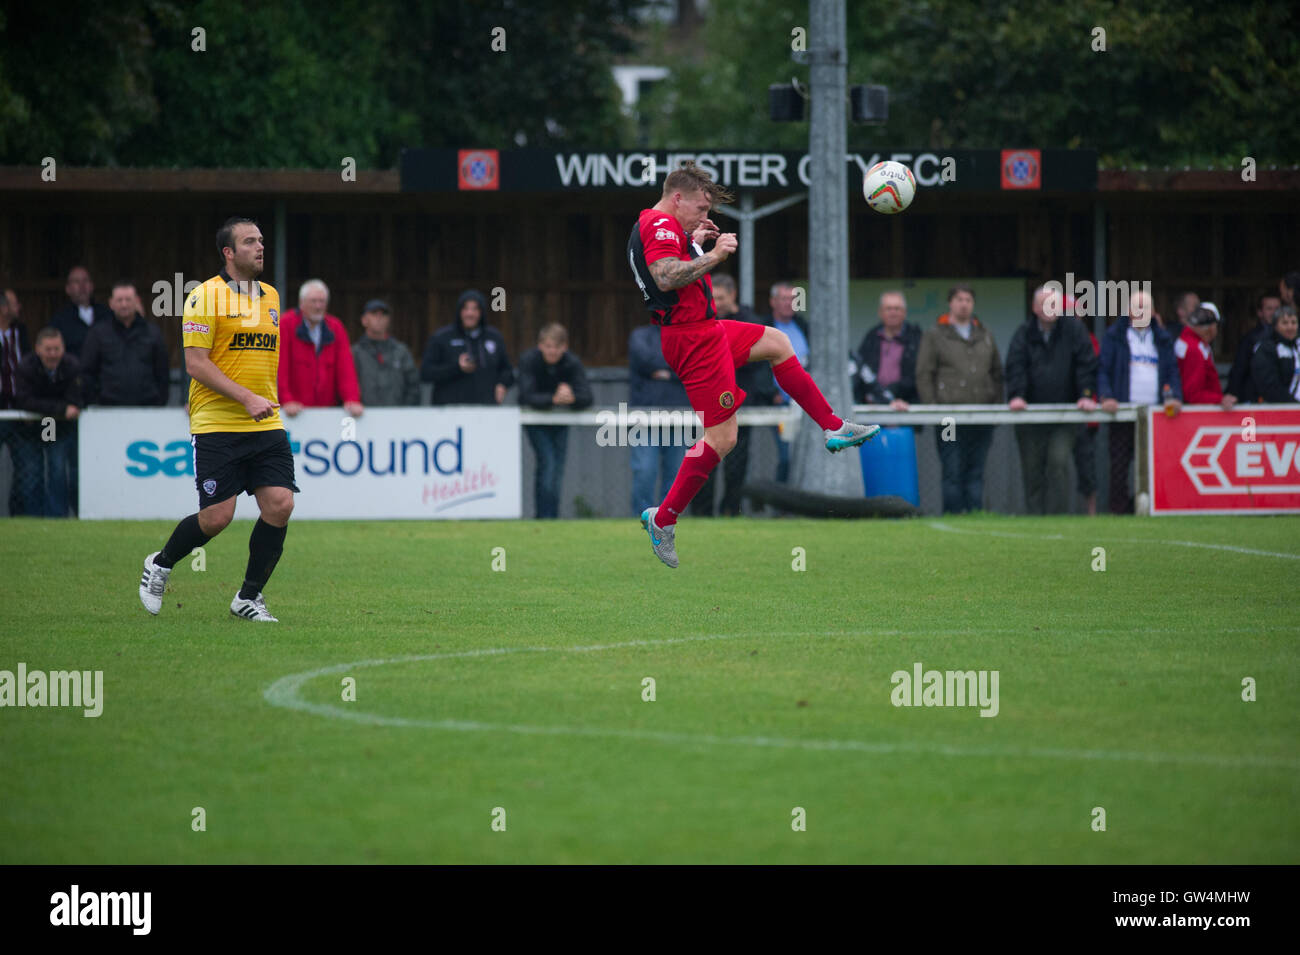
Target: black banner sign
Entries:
(541, 170)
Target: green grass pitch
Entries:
(1119, 689)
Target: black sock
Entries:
(264, 547)
(184, 539)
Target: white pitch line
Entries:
(284, 692)
(941, 526)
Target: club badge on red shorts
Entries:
(726, 399)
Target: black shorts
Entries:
(227, 462)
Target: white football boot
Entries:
(152, 584)
(254, 609)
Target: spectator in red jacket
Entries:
(316, 367)
(1196, 359)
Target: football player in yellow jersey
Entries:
(231, 334)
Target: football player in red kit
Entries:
(666, 255)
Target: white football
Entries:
(889, 187)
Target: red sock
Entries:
(696, 465)
(798, 384)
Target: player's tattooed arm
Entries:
(671, 273)
(678, 273)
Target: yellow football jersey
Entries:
(241, 329)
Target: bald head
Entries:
(1140, 310)
(892, 311)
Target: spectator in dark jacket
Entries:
(1276, 365)
(1184, 305)
(386, 371)
(652, 384)
(14, 346)
(1137, 365)
(551, 376)
(1286, 288)
(1240, 383)
(466, 360)
(1050, 361)
(82, 313)
(886, 359)
(124, 361)
(316, 366)
(49, 383)
(22, 437)
(761, 391)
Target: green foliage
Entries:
(300, 84)
(551, 85)
(1178, 82)
(74, 78)
(274, 87)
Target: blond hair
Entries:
(689, 177)
(553, 332)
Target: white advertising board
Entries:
(390, 463)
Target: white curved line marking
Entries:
(284, 692)
(941, 526)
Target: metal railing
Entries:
(597, 477)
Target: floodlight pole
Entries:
(828, 253)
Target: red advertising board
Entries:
(1207, 461)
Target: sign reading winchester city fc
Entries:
(390, 463)
(1208, 461)
(542, 170)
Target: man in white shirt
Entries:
(74, 320)
(1138, 366)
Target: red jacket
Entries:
(1196, 369)
(324, 380)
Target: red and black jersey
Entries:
(658, 235)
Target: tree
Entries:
(550, 84)
(304, 85)
(1179, 82)
(74, 78)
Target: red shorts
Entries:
(705, 356)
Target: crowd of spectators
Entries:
(113, 355)
(1054, 358)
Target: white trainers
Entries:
(152, 584)
(254, 609)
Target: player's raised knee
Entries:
(774, 346)
(214, 518)
(276, 505)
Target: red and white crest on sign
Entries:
(1022, 169)
(478, 169)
